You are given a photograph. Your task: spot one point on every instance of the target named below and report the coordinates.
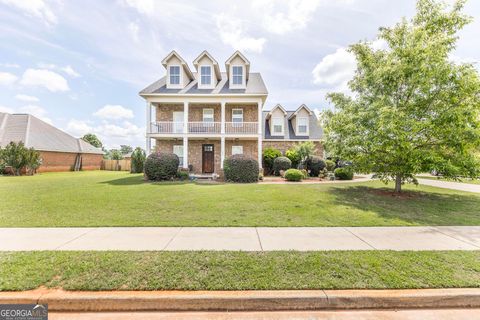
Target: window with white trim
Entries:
(237, 75)
(178, 150)
(205, 75)
(208, 115)
(237, 150)
(277, 126)
(237, 117)
(302, 126)
(174, 74)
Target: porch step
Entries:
(202, 176)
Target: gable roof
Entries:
(278, 106)
(303, 106)
(182, 61)
(237, 54)
(214, 62)
(40, 135)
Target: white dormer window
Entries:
(237, 75)
(277, 124)
(205, 75)
(302, 126)
(174, 74)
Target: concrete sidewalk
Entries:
(242, 238)
(469, 187)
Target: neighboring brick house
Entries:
(284, 129)
(59, 150)
(208, 115)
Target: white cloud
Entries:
(10, 65)
(34, 8)
(79, 128)
(44, 78)
(69, 70)
(133, 29)
(26, 98)
(37, 111)
(281, 17)
(111, 135)
(6, 109)
(114, 112)
(142, 6)
(335, 69)
(7, 78)
(233, 33)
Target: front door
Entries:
(207, 158)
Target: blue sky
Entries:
(80, 64)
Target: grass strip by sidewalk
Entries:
(238, 270)
(465, 180)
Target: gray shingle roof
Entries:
(40, 135)
(315, 129)
(255, 85)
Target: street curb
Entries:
(83, 301)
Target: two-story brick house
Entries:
(208, 115)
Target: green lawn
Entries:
(442, 179)
(238, 270)
(105, 198)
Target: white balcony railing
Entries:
(241, 127)
(204, 127)
(200, 127)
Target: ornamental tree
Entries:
(412, 108)
(93, 140)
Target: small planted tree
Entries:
(413, 110)
(269, 155)
(304, 151)
(32, 160)
(138, 160)
(14, 155)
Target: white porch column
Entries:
(148, 128)
(222, 151)
(222, 116)
(185, 117)
(260, 133)
(185, 152)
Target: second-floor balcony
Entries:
(199, 127)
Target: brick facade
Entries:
(285, 145)
(250, 112)
(164, 112)
(65, 161)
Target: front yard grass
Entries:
(238, 270)
(103, 198)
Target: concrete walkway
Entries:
(244, 238)
(469, 187)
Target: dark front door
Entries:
(207, 158)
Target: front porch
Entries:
(206, 155)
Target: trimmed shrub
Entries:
(330, 165)
(240, 168)
(161, 166)
(182, 175)
(293, 155)
(344, 173)
(315, 164)
(138, 160)
(269, 155)
(281, 163)
(293, 175)
(305, 173)
(323, 173)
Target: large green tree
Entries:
(412, 109)
(93, 140)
